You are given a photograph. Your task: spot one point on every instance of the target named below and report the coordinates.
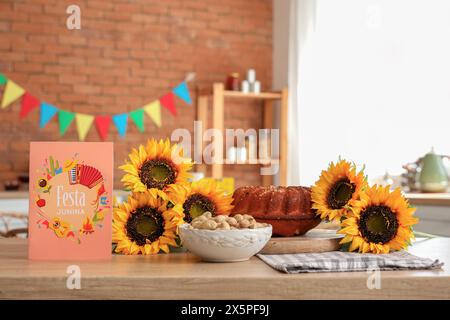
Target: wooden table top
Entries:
(183, 276)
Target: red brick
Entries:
(76, 61)
(86, 89)
(128, 53)
(71, 78)
(72, 39)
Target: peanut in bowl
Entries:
(217, 242)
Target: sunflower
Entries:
(146, 224)
(337, 190)
(380, 222)
(155, 166)
(201, 196)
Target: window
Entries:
(374, 86)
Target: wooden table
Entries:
(183, 276)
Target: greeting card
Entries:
(70, 207)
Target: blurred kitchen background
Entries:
(367, 80)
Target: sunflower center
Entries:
(157, 173)
(195, 205)
(145, 225)
(340, 193)
(378, 224)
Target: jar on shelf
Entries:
(232, 82)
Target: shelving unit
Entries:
(218, 95)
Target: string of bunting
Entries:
(12, 92)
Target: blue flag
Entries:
(182, 91)
(47, 113)
(120, 121)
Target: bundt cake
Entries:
(287, 209)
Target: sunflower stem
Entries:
(424, 235)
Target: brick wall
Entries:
(126, 54)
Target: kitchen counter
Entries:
(183, 276)
(437, 199)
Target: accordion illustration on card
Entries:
(70, 200)
(85, 175)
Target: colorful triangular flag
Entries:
(153, 110)
(102, 124)
(65, 119)
(84, 123)
(182, 91)
(138, 118)
(29, 102)
(12, 93)
(169, 102)
(120, 120)
(3, 79)
(47, 113)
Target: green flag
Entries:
(65, 119)
(2, 79)
(138, 118)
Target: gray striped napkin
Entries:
(337, 261)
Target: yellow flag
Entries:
(84, 123)
(12, 93)
(153, 110)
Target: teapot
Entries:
(428, 173)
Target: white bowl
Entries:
(224, 245)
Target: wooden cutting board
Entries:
(315, 240)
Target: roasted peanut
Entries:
(223, 226)
(244, 224)
(220, 218)
(222, 222)
(232, 221)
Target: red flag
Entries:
(28, 103)
(168, 101)
(102, 124)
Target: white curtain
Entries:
(369, 81)
(301, 27)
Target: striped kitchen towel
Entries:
(337, 261)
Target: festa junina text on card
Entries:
(70, 208)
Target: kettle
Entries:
(427, 174)
(433, 175)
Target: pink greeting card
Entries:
(70, 207)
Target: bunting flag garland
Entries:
(182, 92)
(102, 124)
(84, 123)
(120, 120)
(169, 102)
(13, 92)
(28, 104)
(138, 118)
(65, 119)
(47, 113)
(153, 110)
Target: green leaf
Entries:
(345, 247)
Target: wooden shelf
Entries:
(262, 95)
(218, 95)
(259, 162)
